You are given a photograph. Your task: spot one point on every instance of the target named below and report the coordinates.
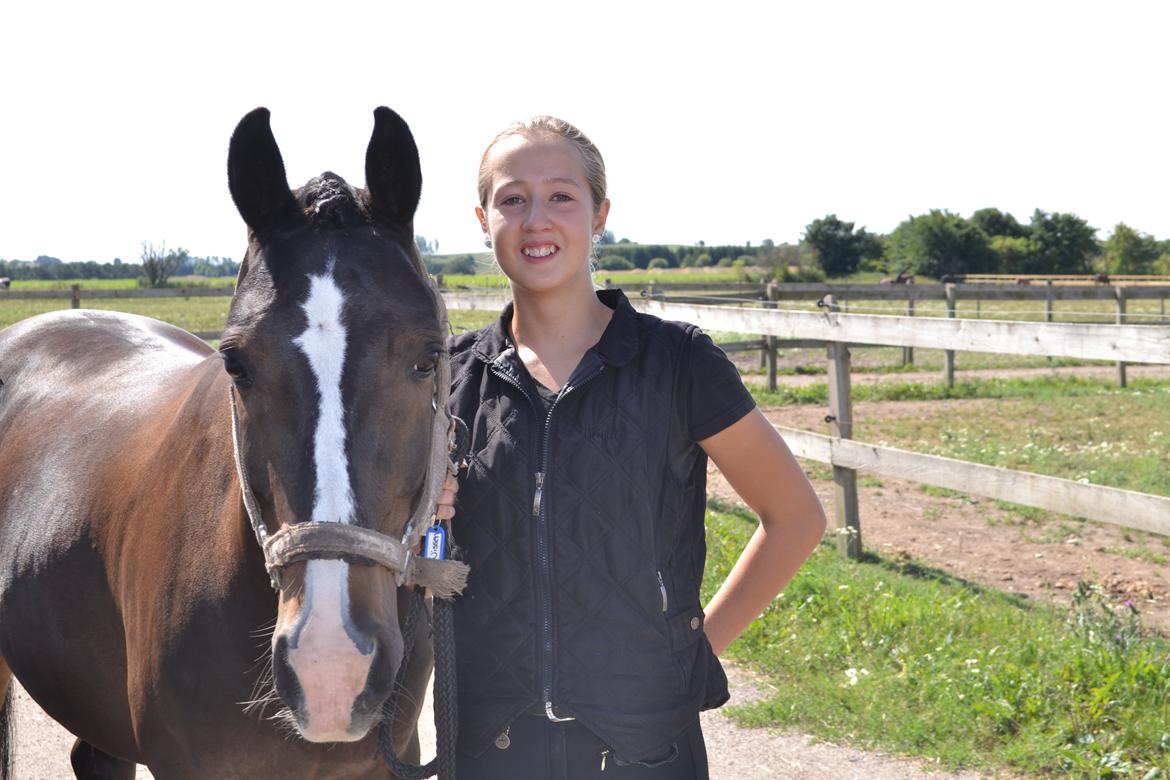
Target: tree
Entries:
(425, 247)
(1065, 243)
(159, 264)
(1129, 252)
(1017, 254)
(994, 222)
(940, 244)
(838, 249)
(607, 238)
(461, 265)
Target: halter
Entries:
(317, 540)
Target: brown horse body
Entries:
(134, 602)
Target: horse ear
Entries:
(393, 176)
(256, 175)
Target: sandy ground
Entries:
(42, 749)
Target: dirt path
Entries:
(975, 540)
(42, 749)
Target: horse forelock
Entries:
(328, 201)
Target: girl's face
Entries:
(540, 214)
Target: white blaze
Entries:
(330, 668)
(323, 343)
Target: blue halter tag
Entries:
(435, 543)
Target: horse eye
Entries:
(426, 366)
(235, 368)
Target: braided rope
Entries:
(446, 702)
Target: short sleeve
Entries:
(715, 396)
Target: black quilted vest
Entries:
(584, 531)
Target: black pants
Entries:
(539, 749)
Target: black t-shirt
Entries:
(715, 394)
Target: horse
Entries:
(154, 492)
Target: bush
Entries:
(659, 262)
(794, 273)
(461, 265)
(614, 263)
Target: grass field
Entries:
(193, 314)
(121, 284)
(899, 657)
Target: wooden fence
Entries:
(1128, 343)
(1121, 342)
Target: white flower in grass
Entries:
(854, 675)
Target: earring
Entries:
(487, 241)
(596, 239)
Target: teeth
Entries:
(539, 251)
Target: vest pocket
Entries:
(686, 632)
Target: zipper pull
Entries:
(662, 589)
(604, 755)
(539, 494)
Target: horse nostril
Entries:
(287, 684)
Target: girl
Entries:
(582, 648)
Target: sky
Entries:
(722, 122)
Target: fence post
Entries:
(75, 300)
(908, 352)
(1048, 307)
(773, 294)
(840, 421)
(949, 355)
(1119, 291)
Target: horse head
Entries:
(332, 344)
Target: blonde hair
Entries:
(550, 126)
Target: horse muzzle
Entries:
(333, 670)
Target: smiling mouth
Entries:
(538, 251)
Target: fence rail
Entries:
(1132, 343)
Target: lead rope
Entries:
(446, 702)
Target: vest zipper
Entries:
(662, 590)
(542, 537)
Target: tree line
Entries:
(155, 267)
(939, 244)
(936, 244)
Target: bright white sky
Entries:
(722, 121)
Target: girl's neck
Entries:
(564, 322)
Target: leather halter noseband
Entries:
(316, 540)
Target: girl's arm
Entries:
(762, 470)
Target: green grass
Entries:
(1038, 388)
(675, 276)
(121, 284)
(193, 314)
(900, 657)
(1070, 427)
